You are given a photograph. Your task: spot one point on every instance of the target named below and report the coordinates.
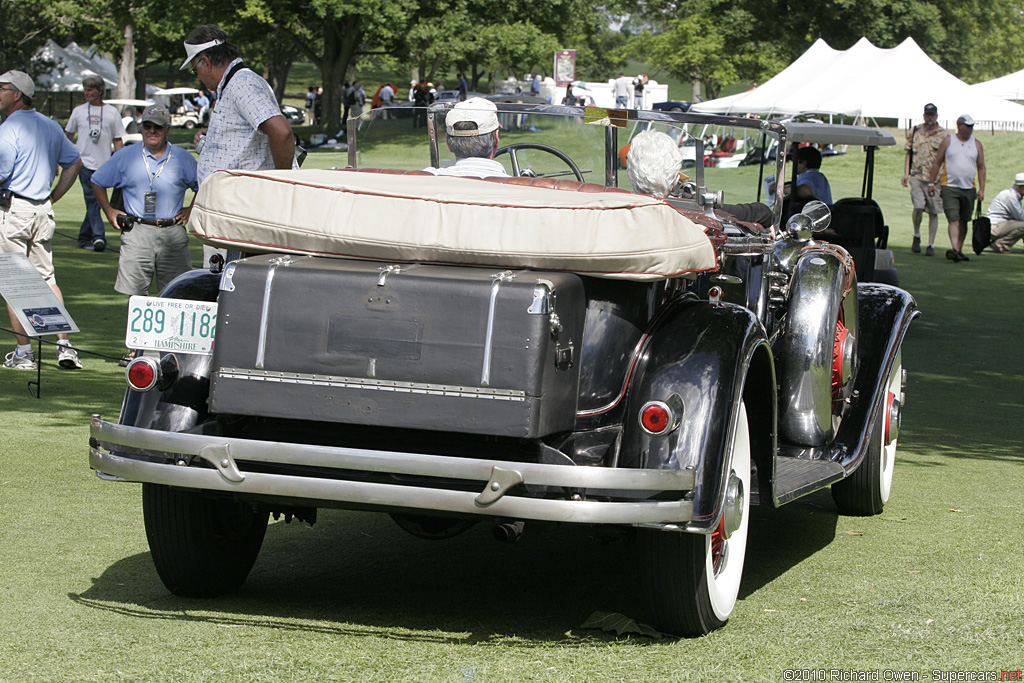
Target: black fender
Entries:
(704, 355)
(885, 313)
(184, 403)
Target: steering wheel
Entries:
(516, 171)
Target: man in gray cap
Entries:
(32, 146)
(472, 128)
(959, 157)
(1007, 216)
(153, 181)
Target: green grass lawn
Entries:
(934, 583)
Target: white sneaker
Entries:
(67, 357)
(26, 362)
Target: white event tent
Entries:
(69, 65)
(869, 82)
(1008, 87)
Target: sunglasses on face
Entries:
(151, 126)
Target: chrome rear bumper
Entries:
(496, 499)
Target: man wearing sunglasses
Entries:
(32, 147)
(247, 130)
(153, 178)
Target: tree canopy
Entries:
(713, 42)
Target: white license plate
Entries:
(171, 325)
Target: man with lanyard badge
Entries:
(98, 126)
(153, 180)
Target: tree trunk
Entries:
(279, 57)
(696, 90)
(340, 41)
(126, 69)
(141, 74)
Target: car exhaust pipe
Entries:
(508, 532)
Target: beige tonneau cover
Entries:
(411, 217)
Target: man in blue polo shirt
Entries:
(153, 178)
(32, 146)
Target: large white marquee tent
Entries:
(869, 82)
(1008, 87)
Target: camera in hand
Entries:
(125, 223)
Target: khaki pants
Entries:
(1006, 234)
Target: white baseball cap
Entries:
(965, 119)
(477, 110)
(20, 80)
(1018, 179)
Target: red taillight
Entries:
(658, 418)
(142, 373)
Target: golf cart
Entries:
(517, 352)
(857, 224)
(181, 116)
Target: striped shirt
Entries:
(234, 140)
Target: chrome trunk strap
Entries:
(268, 287)
(496, 280)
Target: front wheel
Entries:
(866, 491)
(692, 581)
(202, 546)
(190, 124)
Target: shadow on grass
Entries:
(357, 573)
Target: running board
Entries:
(796, 477)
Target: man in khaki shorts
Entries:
(153, 177)
(32, 146)
(922, 144)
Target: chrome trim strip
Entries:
(106, 434)
(261, 347)
(497, 279)
(371, 384)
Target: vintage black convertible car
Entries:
(535, 349)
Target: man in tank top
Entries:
(959, 158)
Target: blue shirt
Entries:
(31, 147)
(818, 183)
(174, 172)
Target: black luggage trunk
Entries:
(417, 346)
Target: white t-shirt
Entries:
(95, 148)
(472, 167)
(622, 84)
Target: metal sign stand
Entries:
(35, 305)
(38, 391)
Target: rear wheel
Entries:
(692, 580)
(866, 491)
(202, 546)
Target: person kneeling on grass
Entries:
(153, 177)
(1007, 216)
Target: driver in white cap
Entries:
(247, 130)
(472, 128)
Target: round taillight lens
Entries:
(142, 373)
(656, 418)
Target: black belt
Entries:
(29, 199)
(160, 222)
